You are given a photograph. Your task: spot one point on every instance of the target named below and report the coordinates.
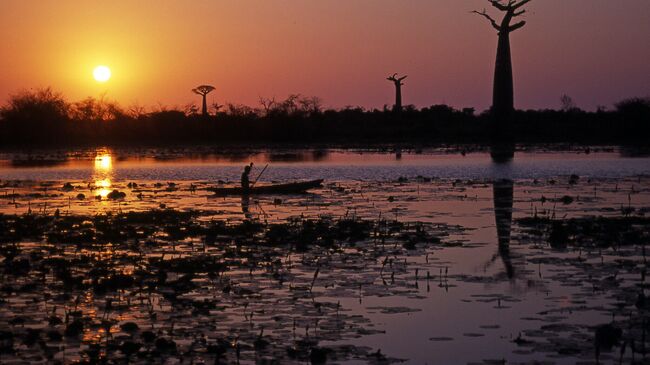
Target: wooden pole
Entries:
(260, 175)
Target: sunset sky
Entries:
(597, 51)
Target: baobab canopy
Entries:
(203, 89)
(512, 11)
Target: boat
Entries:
(288, 188)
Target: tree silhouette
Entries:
(568, 105)
(503, 93)
(203, 90)
(398, 91)
(217, 107)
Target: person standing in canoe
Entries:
(245, 178)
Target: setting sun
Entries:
(102, 73)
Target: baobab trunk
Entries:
(204, 108)
(503, 92)
(398, 91)
(398, 98)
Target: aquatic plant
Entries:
(92, 270)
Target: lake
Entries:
(424, 256)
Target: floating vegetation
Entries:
(163, 284)
(615, 289)
(116, 195)
(166, 275)
(589, 232)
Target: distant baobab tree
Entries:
(503, 93)
(203, 90)
(398, 91)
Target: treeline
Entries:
(44, 117)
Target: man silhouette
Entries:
(245, 178)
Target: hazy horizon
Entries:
(596, 51)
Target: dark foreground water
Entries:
(434, 257)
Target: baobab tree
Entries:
(203, 90)
(503, 92)
(398, 91)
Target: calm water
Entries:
(476, 298)
(337, 165)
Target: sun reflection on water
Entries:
(103, 172)
(103, 162)
(103, 187)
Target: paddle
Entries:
(258, 176)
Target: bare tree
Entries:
(503, 92)
(398, 91)
(136, 111)
(240, 110)
(294, 105)
(190, 109)
(568, 105)
(217, 107)
(290, 104)
(268, 104)
(203, 90)
(310, 105)
(96, 110)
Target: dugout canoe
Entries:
(287, 188)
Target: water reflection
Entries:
(103, 172)
(503, 191)
(503, 196)
(502, 153)
(292, 156)
(320, 155)
(39, 161)
(245, 206)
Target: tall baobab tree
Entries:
(503, 93)
(398, 91)
(203, 90)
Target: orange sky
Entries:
(597, 51)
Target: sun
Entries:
(102, 73)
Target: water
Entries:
(331, 165)
(465, 300)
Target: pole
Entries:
(260, 175)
